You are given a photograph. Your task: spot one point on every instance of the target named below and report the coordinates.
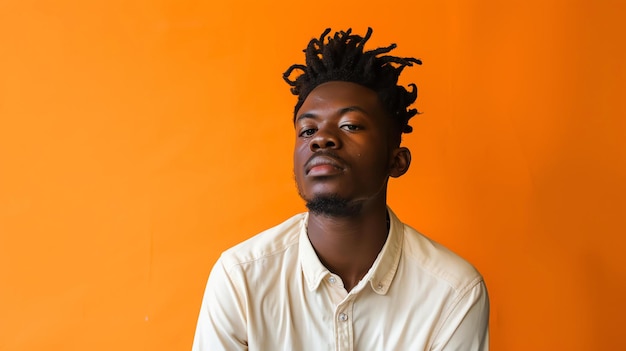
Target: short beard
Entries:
(332, 206)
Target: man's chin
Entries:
(332, 206)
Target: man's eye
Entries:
(350, 127)
(307, 132)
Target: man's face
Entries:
(343, 149)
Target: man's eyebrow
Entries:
(353, 109)
(306, 115)
(342, 111)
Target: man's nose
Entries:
(323, 139)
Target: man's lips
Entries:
(322, 165)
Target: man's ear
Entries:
(400, 162)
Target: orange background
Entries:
(139, 139)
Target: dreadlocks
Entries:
(342, 59)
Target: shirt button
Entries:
(332, 280)
(379, 287)
(343, 317)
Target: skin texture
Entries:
(344, 148)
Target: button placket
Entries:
(343, 325)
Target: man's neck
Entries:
(348, 246)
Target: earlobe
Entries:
(400, 162)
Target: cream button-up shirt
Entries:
(272, 293)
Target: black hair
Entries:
(342, 58)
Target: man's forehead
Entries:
(341, 90)
(339, 95)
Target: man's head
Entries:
(349, 119)
(342, 58)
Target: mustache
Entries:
(328, 154)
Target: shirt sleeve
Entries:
(466, 327)
(222, 321)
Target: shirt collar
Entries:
(381, 273)
(384, 268)
(313, 270)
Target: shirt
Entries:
(272, 293)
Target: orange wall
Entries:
(139, 139)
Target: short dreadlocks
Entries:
(342, 59)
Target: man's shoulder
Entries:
(268, 243)
(439, 261)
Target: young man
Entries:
(348, 274)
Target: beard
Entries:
(332, 206)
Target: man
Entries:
(347, 275)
